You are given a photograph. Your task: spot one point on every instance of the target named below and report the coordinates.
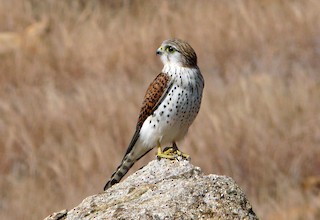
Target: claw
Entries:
(166, 154)
(183, 155)
(171, 153)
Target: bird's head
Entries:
(177, 52)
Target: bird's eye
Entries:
(170, 49)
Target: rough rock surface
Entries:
(166, 189)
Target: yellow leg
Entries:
(166, 155)
(171, 152)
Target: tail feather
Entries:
(126, 163)
(134, 152)
(122, 169)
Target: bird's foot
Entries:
(183, 155)
(165, 154)
(172, 153)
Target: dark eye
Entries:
(170, 49)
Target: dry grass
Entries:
(69, 104)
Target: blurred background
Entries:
(73, 75)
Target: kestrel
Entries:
(170, 105)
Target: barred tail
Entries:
(124, 167)
(134, 152)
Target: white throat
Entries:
(176, 70)
(182, 75)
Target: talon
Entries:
(166, 154)
(179, 153)
(183, 155)
(171, 153)
(170, 157)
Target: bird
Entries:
(171, 103)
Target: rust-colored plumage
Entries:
(152, 97)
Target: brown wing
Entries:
(156, 91)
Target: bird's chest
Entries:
(178, 109)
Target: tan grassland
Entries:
(73, 75)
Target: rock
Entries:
(167, 189)
(58, 215)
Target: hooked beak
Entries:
(159, 51)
